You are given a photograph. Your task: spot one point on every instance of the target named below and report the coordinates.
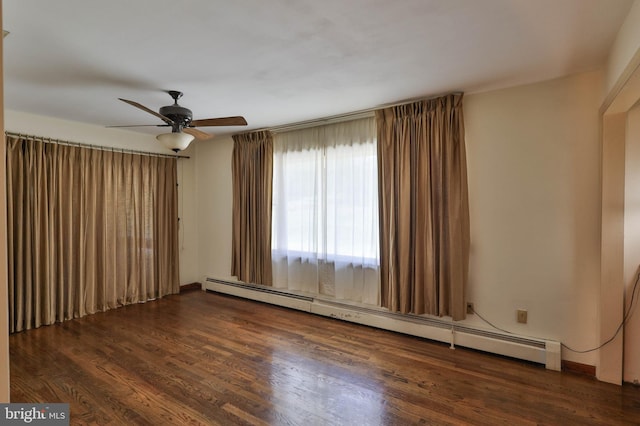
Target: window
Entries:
(325, 209)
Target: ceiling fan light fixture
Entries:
(175, 141)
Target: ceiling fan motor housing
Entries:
(178, 114)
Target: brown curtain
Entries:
(88, 230)
(252, 170)
(424, 213)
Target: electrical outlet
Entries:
(522, 316)
(470, 309)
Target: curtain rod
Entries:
(365, 113)
(320, 121)
(87, 145)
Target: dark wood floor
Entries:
(203, 358)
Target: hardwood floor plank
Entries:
(204, 358)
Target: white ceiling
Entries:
(284, 61)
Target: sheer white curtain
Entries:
(325, 211)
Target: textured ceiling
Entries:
(285, 61)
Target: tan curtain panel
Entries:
(88, 230)
(252, 170)
(424, 213)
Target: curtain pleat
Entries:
(424, 212)
(252, 171)
(88, 230)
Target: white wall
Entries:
(36, 125)
(621, 89)
(631, 369)
(623, 50)
(188, 214)
(610, 362)
(534, 192)
(214, 198)
(534, 158)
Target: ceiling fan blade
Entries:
(198, 134)
(222, 121)
(150, 111)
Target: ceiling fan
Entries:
(183, 126)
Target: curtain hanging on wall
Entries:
(252, 171)
(424, 212)
(88, 230)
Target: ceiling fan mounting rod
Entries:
(175, 95)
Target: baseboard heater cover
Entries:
(545, 352)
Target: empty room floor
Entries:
(206, 358)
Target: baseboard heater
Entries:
(545, 352)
